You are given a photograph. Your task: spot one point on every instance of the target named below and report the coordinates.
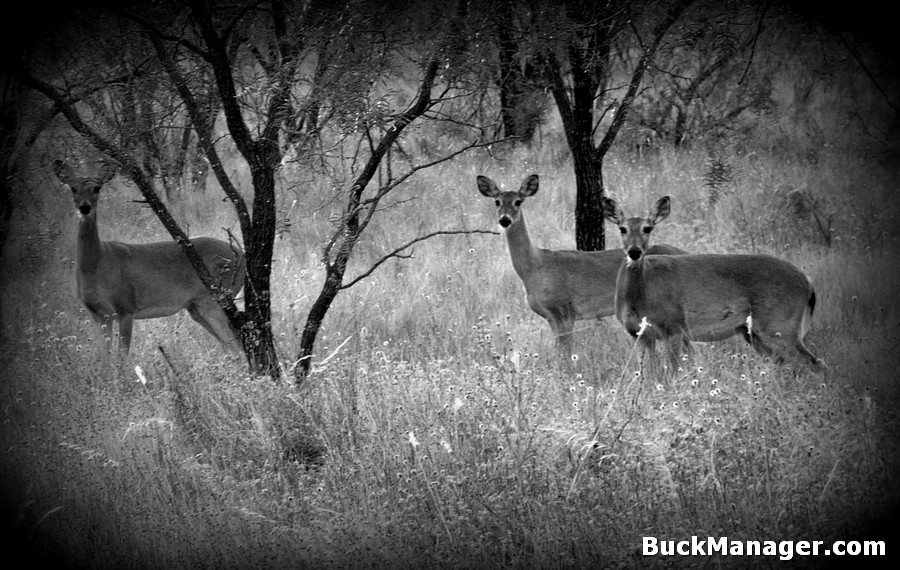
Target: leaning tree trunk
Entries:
(353, 226)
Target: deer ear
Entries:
(529, 186)
(487, 187)
(661, 209)
(612, 211)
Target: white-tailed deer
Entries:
(708, 297)
(561, 286)
(127, 281)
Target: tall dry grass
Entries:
(437, 429)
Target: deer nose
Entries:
(505, 222)
(634, 253)
(85, 209)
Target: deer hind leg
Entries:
(210, 315)
(779, 344)
(814, 360)
(756, 340)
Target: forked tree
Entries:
(285, 81)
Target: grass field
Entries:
(437, 429)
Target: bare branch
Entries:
(638, 75)
(398, 252)
(868, 73)
(156, 32)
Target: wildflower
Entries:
(659, 387)
(749, 325)
(714, 381)
(574, 358)
(644, 324)
(514, 359)
(412, 440)
(140, 374)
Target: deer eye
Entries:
(623, 231)
(517, 203)
(647, 229)
(496, 202)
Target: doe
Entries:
(561, 286)
(127, 281)
(708, 297)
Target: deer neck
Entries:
(632, 283)
(524, 255)
(89, 250)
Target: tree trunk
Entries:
(589, 231)
(314, 322)
(517, 111)
(353, 226)
(578, 122)
(259, 342)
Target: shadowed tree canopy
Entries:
(242, 88)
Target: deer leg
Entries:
(104, 317)
(814, 360)
(563, 327)
(126, 323)
(676, 345)
(211, 317)
(648, 363)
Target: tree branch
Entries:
(133, 170)
(399, 250)
(638, 75)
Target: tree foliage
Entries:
(155, 86)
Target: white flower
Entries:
(644, 325)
